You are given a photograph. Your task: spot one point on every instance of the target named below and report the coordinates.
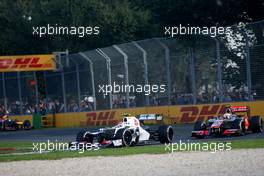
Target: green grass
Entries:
(24, 147)
(19, 146)
(249, 143)
(71, 154)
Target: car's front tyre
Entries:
(198, 126)
(126, 136)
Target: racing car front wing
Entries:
(204, 133)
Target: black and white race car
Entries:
(130, 131)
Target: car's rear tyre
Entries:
(165, 134)
(26, 125)
(126, 136)
(256, 124)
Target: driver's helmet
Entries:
(229, 109)
(125, 119)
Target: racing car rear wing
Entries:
(143, 117)
(240, 108)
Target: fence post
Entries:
(193, 76)
(126, 71)
(108, 66)
(78, 86)
(36, 90)
(145, 62)
(167, 60)
(59, 54)
(219, 69)
(4, 90)
(63, 90)
(248, 63)
(92, 76)
(19, 92)
(46, 87)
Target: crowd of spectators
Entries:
(234, 96)
(51, 106)
(48, 106)
(202, 98)
(186, 98)
(119, 101)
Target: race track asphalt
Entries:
(181, 132)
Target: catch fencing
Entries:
(194, 70)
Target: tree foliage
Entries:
(119, 20)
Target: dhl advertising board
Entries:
(192, 113)
(97, 118)
(173, 114)
(27, 63)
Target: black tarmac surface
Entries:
(181, 132)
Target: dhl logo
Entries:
(194, 113)
(100, 118)
(20, 63)
(26, 63)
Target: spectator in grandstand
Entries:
(119, 102)
(153, 101)
(132, 102)
(27, 109)
(14, 108)
(173, 100)
(42, 107)
(181, 99)
(86, 104)
(73, 106)
(215, 97)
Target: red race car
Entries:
(229, 123)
